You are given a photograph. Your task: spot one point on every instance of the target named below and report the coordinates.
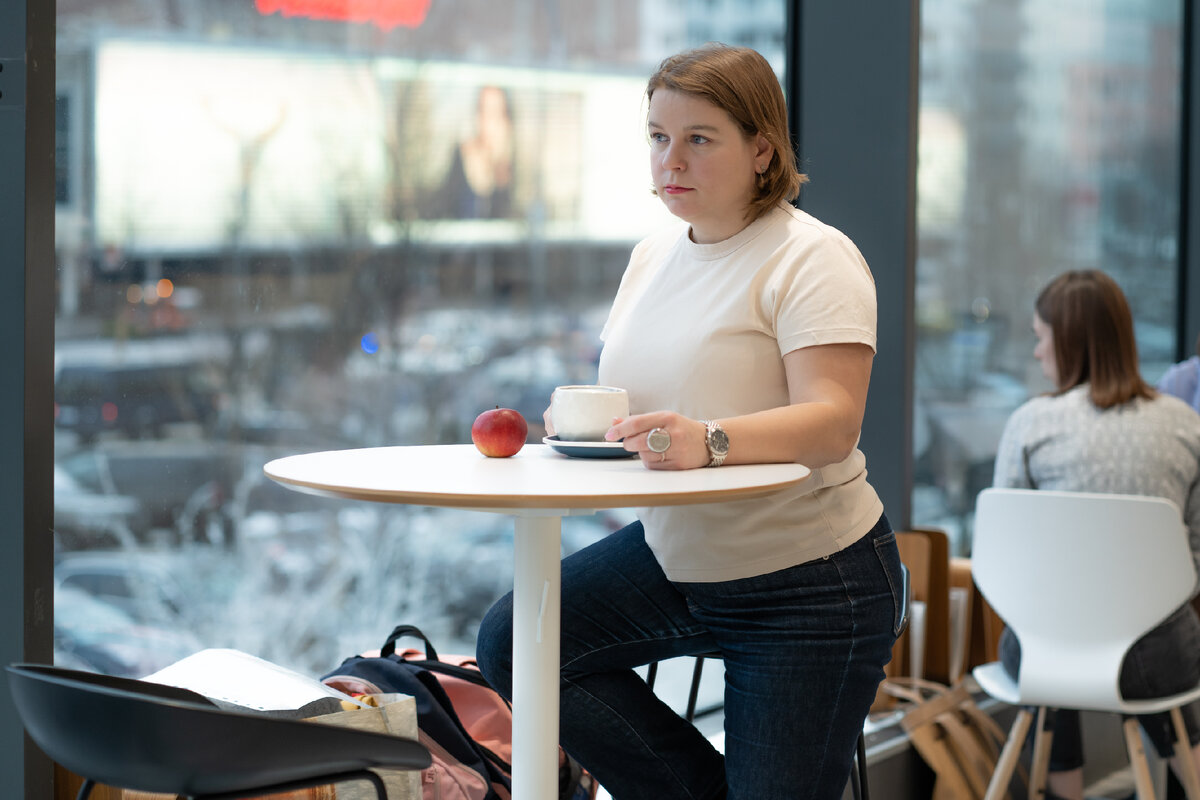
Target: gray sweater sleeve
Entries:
(1011, 470)
(1191, 518)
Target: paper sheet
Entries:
(232, 676)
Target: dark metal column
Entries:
(853, 82)
(26, 368)
(1189, 180)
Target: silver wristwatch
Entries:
(717, 441)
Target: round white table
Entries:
(538, 487)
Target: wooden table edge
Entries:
(519, 502)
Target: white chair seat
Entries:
(1159, 705)
(995, 682)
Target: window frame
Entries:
(27, 98)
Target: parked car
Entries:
(92, 634)
(182, 485)
(141, 586)
(85, 518)
(138, 387)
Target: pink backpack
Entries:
(457, 690)
(483, 712)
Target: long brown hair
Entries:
(1094, 342)
(739, 81)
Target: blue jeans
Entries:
(804, 650)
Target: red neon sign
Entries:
(386, 14)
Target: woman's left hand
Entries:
(687, 446)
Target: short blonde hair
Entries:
(739, 81)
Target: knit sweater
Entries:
(1143, 447)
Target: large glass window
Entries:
(279, 231)
(1048, 141)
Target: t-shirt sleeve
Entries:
(824, 294)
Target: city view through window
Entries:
(281, 232)
(1048, 140)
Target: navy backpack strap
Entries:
(399, 632)
(431, 661)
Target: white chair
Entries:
(1079, 578)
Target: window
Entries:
(1048, 141)
(300, 233)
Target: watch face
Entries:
(718, 442)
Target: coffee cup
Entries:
(585, 413)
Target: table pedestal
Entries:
(536, 612)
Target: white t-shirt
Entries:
(701, 329)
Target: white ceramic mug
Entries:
(585, 413)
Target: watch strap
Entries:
(717, 442)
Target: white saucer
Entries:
(588, 449)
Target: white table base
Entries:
(536, 614)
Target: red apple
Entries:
(499, 432)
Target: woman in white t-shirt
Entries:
(744, 335)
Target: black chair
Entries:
(149, 737)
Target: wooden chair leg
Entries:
(998, 786)
(1040, 766)
(1137, 760)
(1186, 761)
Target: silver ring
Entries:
(658, 440)
(662, 457)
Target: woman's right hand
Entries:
(548, 422)
(686, 439)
